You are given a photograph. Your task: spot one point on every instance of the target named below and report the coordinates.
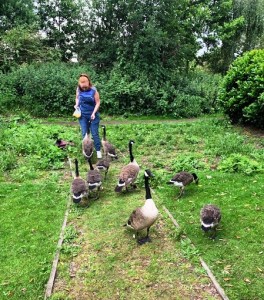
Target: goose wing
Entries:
(94, 176)
(210, 214)
(109, 148)
(183, 177)
(78, 186)
(78, 189)
(87, 147)
(103, 164)
(129, 173)
(136, 219)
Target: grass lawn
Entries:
(31, 217)
(100, 259)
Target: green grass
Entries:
(100, 259)
(31, 217)
(110, 265)
(236, 256)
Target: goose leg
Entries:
(181, 192)
(144, 239)
(214, 233)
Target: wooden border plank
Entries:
(51, 280)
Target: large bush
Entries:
(43, 89)
(177, 95)
(49, 90)
(242, 89)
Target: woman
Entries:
(88, 100)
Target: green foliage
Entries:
(237, 163)
(228, 143)
(49, 90)
(45, 89)
(177, 95)
(188, 249)
(60, 20)
(7, 94)
(16, 13)
(242, 89)
(24, 45)
(230, 27)
(69, 246)
(37, 148)
(190, 163)
(155, 36)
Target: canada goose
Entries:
(129, 173)
(210, 217)
(79, 186)
(182, 179)
(87, 144)
(109, 149)
(94, 180)
(145, 216)
(103, 165)
(63, 144)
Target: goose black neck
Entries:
(88, 127)
(104, 133)
(76, 168)
(90, 164)
(130, 152)
(147, 188)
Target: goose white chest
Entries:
(149, 209)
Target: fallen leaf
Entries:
(227, 267)
(247, 280)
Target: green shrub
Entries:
(177, 95)
(189, 163)
(7, 94)
(46, 89)
(49, 90)
(242, 89)
(237, 163)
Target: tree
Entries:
(16, 12)
(22, 45)
(59, 20)
(230, 28)
(253, 12)
(153, 35)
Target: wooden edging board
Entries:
(51, 280)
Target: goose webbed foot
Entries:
(144, 240)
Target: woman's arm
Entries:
(76, 98)
(97, 104)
